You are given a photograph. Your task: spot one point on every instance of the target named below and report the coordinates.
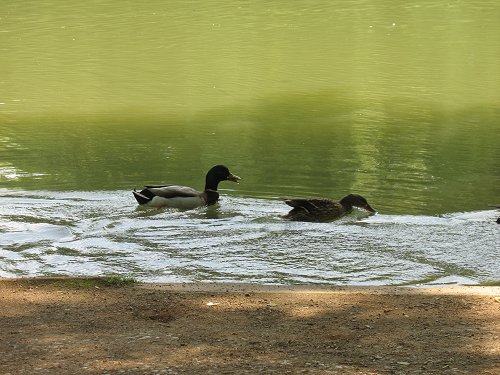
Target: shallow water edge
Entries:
(240, 240)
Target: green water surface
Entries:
(397, 101)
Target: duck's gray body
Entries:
(185, 197)
(175, 196)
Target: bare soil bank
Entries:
(85, 326)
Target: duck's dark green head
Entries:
(355, 200)
(217, 174)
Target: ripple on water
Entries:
(243, 239)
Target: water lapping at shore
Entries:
(241, 240)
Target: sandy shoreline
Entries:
(86, 326)
(323, 288)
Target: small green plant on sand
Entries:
(118, 280)
(490, 283)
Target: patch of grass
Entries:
(118, 280)
(490, 283)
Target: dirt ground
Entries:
(85, 326)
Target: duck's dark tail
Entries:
(144, 196)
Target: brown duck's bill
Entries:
(233, 178)
(369, 208)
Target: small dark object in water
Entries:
(496, 206)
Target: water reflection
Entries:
(429, 161)
(397, 102)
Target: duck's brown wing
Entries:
(314, 209)
(313, 204)
(304, 204)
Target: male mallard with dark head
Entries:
(185, 197)
(324, 209)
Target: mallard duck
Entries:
(185, 197)
(324, 209)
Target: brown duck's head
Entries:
(355, 200)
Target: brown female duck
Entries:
(324, 209)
